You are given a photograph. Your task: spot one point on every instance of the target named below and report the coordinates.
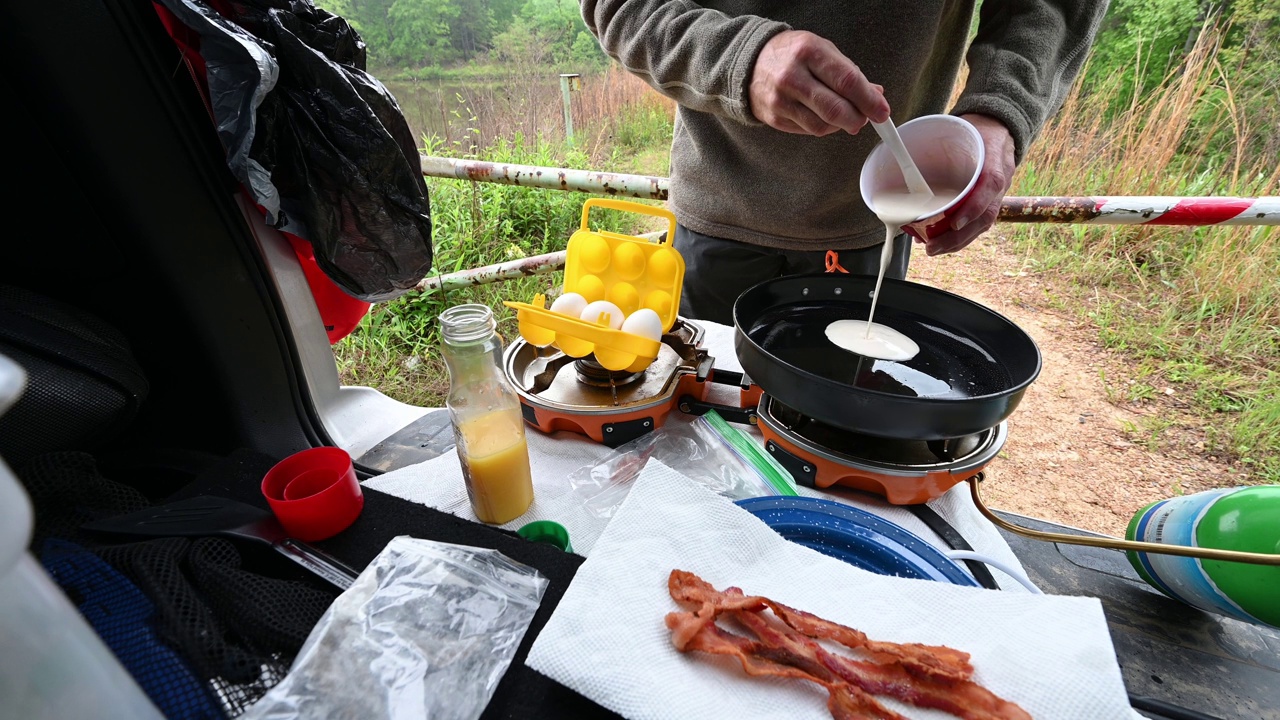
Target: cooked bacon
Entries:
(844, 701)
(685, 625)
(933, 661)
(692, 591)
(965, 699)
(936, 661)
(922, 675)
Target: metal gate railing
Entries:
(1100, 210)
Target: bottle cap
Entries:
(546, 531)
(314, 493)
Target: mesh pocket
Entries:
(83, 384)
(206, 616)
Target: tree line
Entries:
(424, 33)
(1147, 39)
(1139, 44)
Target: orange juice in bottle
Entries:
(495, 460)
(486, 416)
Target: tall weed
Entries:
(1203, 303)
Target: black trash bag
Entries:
(321, 144)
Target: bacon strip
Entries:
(922, 675)
(965, 698)
(932, 661)
(935, 661)
(844, 701)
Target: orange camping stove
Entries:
(905, 472)
(559, 392)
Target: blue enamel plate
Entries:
(857, 537)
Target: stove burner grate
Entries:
(558, 392)
(594, 374)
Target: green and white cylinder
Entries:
(1245, 519)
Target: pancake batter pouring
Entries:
(869, 338)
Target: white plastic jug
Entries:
(52, 663)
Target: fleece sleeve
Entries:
(699, 57)
(1024, 59)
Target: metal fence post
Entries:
(568, 83)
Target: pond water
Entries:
(465, 114)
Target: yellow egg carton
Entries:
(629, 272)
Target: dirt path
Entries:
(1071, 456)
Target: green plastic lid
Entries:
(546, 531)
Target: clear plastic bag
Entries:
(705, 449)
(427, 631)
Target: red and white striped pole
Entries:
(1132, 210)
(1142, 210)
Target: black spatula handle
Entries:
(317, 562)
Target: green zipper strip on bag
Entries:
(750, 451)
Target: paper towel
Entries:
(1052, 655)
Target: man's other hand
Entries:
(802, 84)
(978, 212)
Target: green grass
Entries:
(644, 129)
(1192, 309)
(1219, 351)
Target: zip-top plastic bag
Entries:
(706, 449)
(426, 631)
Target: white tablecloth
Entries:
(438, 483)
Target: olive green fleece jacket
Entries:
(736, 178)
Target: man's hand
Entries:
(802, 84)
(978, 212)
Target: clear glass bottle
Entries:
(486, 416)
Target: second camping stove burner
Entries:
(903, 471)
(593, 373)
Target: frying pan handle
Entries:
(325, 566)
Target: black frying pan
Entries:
(973, 368)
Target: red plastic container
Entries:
(314, 493)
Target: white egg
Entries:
(569, 304)
(592, 313)
(644, 323)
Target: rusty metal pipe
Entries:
(1142, 210)
(1111, 210)
(524, 267)
(1090, 210)
(548, 178)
